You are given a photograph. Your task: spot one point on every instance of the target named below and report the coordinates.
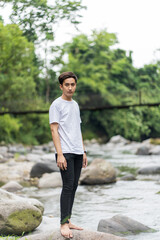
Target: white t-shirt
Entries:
(67, 115)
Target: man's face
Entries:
(68, 87)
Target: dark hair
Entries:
(66, 75)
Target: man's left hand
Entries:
(85, 161)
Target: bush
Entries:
(9, 128)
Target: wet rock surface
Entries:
(18, 214)
(12, 186)
(128, 177)
(50, 180)
(98, 172)
(155, 150)
(143, 150)
(77, 235)
(17, 171)
(16, 164)
(119, 140)
(149, 170)
(40, 168)
(121, 225)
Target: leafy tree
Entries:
(9, 128)
(17, 71)
(107, 77)
(149, 74)
(1, 19)
(37, 18)
(103, 72)
(34, 129)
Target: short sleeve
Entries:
(79, 114)
(54, 114)
(80, 119)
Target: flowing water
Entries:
(135, 199)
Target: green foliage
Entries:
(149, 74)
(22, 87)
(130, 124)
(17, 70)
(34, 129)
(9, 128)
(155, 141)
(36, 18)
(1, 19)
(28, 129)
(12, 237)
(128, 169)
(107, 77)
(151, 118)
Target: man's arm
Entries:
(85, 161)
(61, 161)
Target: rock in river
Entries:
(119, 140)
(16, 171)
(121, 225)
(128, 177)
(50, 180)
(40, 168)
(143, 150)
(77, 235)
(98, 172)
(155, 150)
(149, 170)
(12, 186)
(17, 214)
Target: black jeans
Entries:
(70, 179)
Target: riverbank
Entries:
(94, 202)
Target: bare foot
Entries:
(72, 226)
(65, 231)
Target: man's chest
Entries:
(69, 113)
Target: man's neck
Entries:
(65, 98)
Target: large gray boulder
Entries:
(17, 148)
(155, 150)
(12, 186)
(16, 171)
(40, 168)
(118, 140)
(50, 180)
(3, 149)
(121, 225)
(3, 159)
(33, 157)
(17, 214)
(98, 172)
(149, 170)
(77, 235)
(143, 150)
(128, 177)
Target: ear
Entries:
(61, 86)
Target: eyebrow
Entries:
(70, 83)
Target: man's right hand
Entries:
(61, 162)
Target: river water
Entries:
(135, 199)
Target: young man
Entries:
(64, 119)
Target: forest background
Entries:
(30, 63)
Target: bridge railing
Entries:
(86, 100)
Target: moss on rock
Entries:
(22, 221)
